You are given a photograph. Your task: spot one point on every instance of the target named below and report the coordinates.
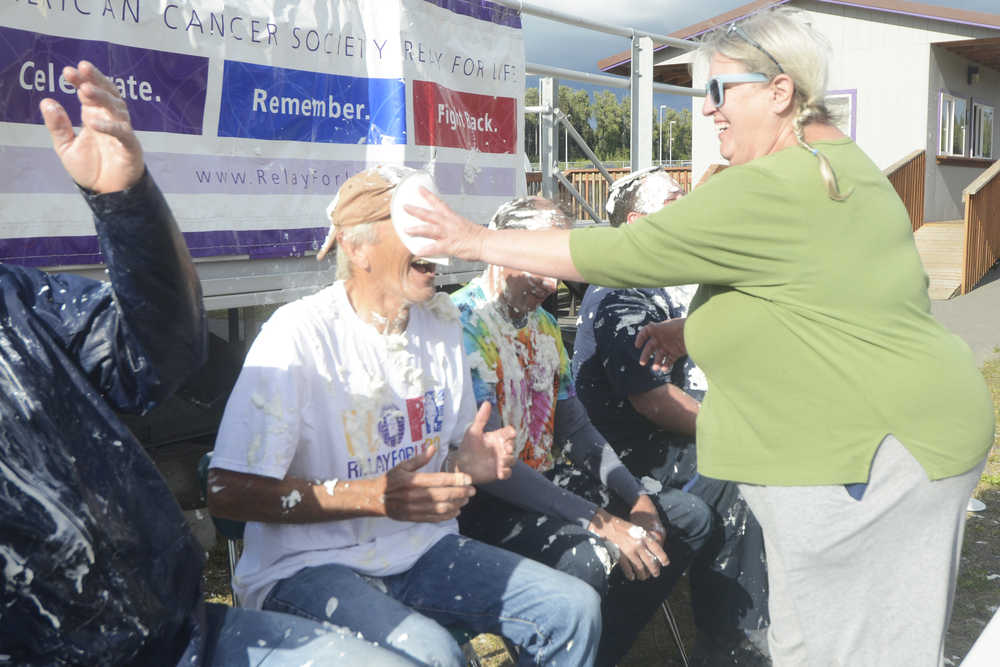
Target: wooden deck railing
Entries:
(594, 188)
(907, 176)
(982, 226)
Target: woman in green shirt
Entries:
(856, 425)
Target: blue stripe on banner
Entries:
(258, 244)
(261, 102)
(482, 10)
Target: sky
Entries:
(550, 43)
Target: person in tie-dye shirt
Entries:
(524, 369)
(556, 507)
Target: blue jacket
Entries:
(99, 565)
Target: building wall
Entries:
(945, 182)
(885, 58)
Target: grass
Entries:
(215, 579)
(976, 597)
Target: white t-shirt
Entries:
(322, 396)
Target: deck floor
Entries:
(940, 248)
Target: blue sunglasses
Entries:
(715, 89)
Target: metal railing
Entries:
(534, 69)
(907, 177)
(982, 227)
(594, 188)
(575, 19)
(610, 165)
(640, 84)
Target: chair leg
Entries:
(675, 631)
(233, 557)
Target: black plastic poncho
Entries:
(99, 565)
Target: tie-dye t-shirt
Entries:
(522, 371)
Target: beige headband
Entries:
(364, 197)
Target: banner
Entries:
(252, 114)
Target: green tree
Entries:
(612, 126)
(531, 125)
(576, 104)
(681, 134)
(604, 121)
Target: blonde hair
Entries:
(802, 53)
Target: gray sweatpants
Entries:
(866, 582)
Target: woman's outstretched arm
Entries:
(545, 253)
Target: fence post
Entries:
(548, 97)
(641, 148)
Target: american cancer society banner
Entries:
(253, 113)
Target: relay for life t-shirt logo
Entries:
(376, 437)
(445, 117)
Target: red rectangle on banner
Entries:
(445, 117)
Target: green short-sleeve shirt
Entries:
(812, 322)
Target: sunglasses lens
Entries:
(715, 92)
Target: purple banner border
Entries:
(74, 250)
(484, 10)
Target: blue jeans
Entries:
(554, 618)
(729, 574)
(627, 605)
(230, 637)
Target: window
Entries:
(982, 130)
(953, 124)
(841, 105)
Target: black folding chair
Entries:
(228, 528)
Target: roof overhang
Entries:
(621, 63)
(983, 51)
(676, 74)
